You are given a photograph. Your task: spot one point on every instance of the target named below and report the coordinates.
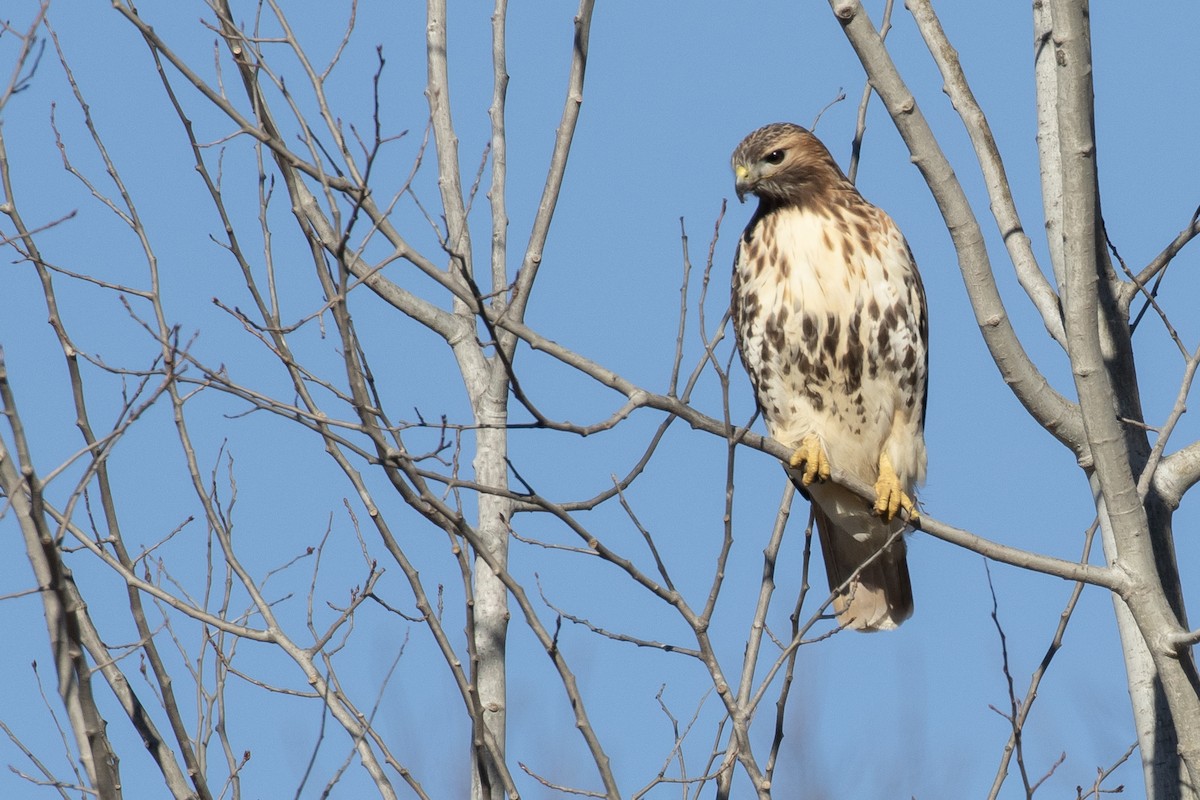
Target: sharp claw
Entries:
(810, 458)
(889, 496)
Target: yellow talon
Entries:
(812, 456)
(889, 496)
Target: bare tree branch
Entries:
(1003, 208)
(1160, 262)
(1054, 412)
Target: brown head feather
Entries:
(785, 164)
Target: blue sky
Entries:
(669, 94)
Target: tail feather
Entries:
(878, 596)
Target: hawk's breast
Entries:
(828, 321)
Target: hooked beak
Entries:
(742, 182)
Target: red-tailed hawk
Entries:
(831, 324)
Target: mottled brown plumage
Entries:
(830, 319)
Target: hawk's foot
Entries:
(810, 458)
(889, 495)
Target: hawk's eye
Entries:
(774, 157)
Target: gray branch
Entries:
(1054, 412)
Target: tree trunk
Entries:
(491, 598)
(1164, 772)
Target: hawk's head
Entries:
(783, 163)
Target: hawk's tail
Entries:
(878, 596)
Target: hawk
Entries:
(830, 318)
